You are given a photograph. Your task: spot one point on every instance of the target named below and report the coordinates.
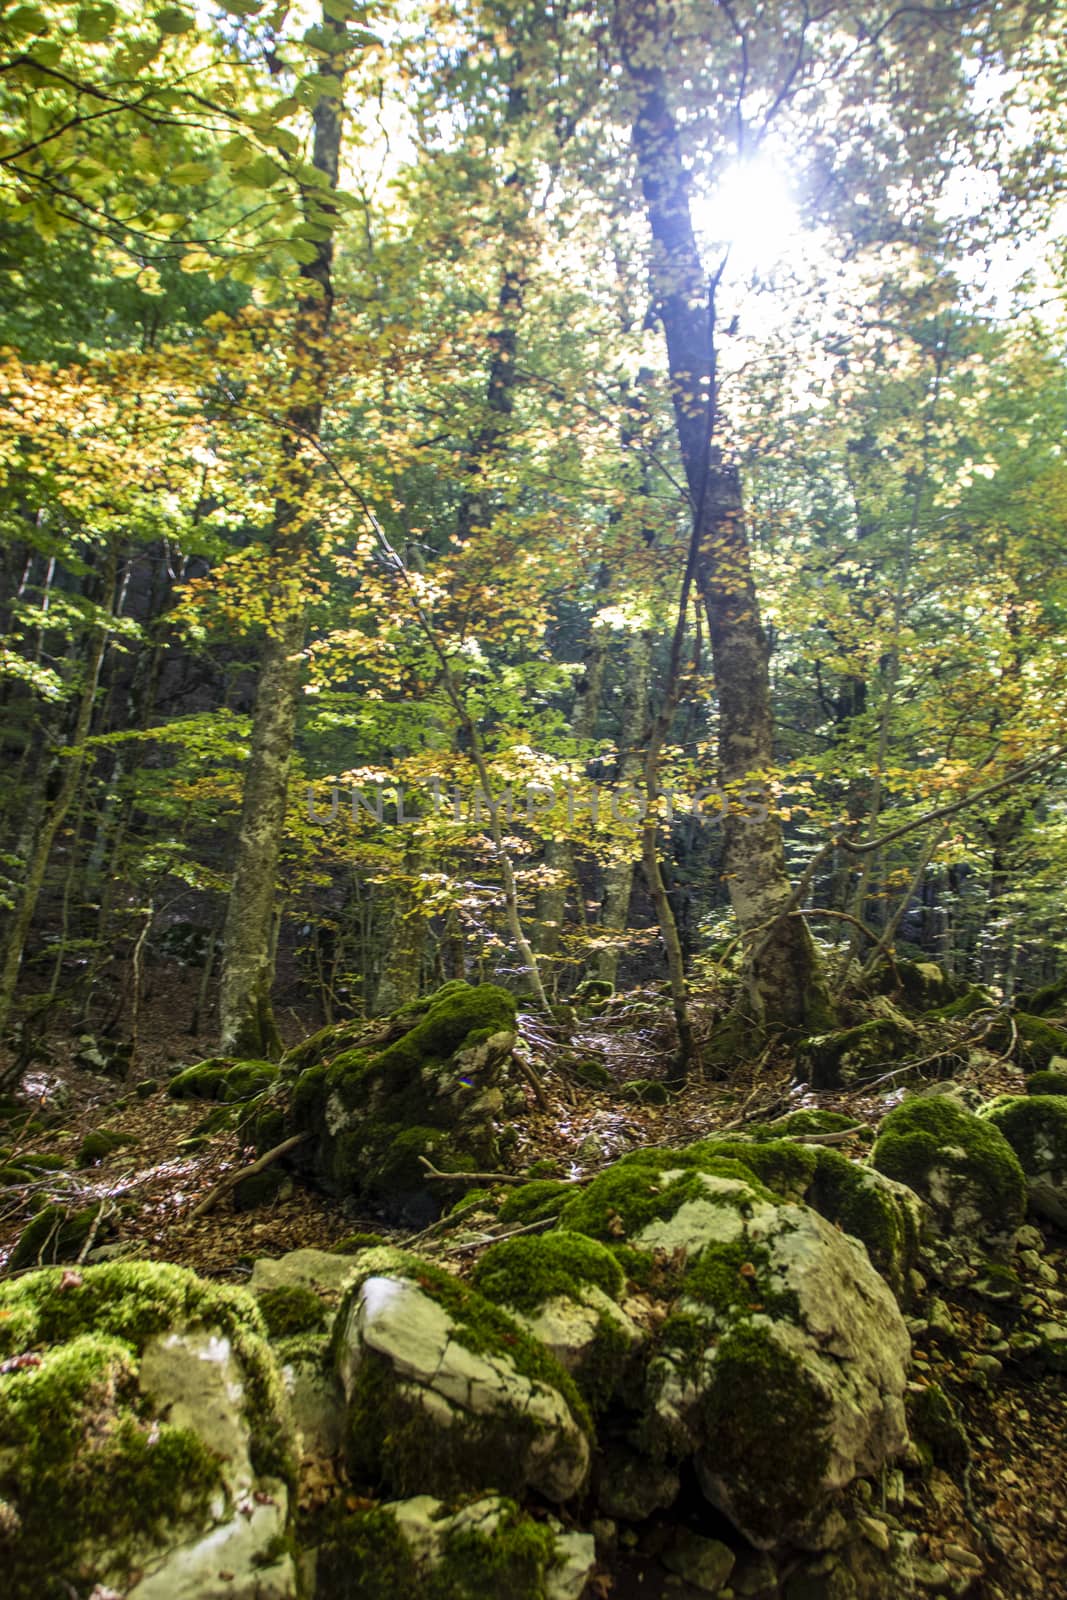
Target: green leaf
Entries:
(173, 20)
(26, 21)
(95, 22)
(242, 8)
(187, 172)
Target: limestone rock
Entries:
(445, 1392)
(320, 1270)
(705, 1563)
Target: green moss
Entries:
(531, 1202)
(936, 1429)
(849, 1055)
(365, 1557)
(933, 1133)
(329, 1042)
(1054, 1083)
(965, 1005)
(132, 1301)
(1036, 1128)
(1050, 1000)
(11, 1176)
(645, 1092)
(809, 1121)
(526, 1272)
(82, 1461)
(454, 1014)
(736, 1038)
(222, 1078)
(291, 1308)
(622, 1201)
(545, 1167)
(352, 1243)
(474, 1200)
(852, 1197)
(593, 1074)
(1037, 1041)
(95, 1146)
(39, 1162)
(780, 1165)
(146, 1088)
(56, 1233)
(259, 1188)
(767, 1424)
(736, 1280)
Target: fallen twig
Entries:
(101, 1212)
(494, 1238)
(233, 1178)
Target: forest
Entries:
(533, 699)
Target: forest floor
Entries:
(1016, 1421)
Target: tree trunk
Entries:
(783, 981)
(619, 873)
(246, 1020)
(57, 811)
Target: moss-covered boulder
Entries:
(223, 1078)
(1037, 1041)
(959, 1163)
(487, 1550)
(1052, 1082)
(58, 1232)
(564, 1289)
(780, 1370)
(1035, 1126)
(849, 1056)
(446, 1393)
(433, 1093)
(144, 1439)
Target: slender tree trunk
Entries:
(405, 943)
(559, 856)
(784, 983)
(619, 873)
(247, 1021)
(55, 814)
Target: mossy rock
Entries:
(965, 1005)
(592, 996)
(936, 1429)
(96, 1146)
(809, 1120)
(291, 1309)
(432, 1093)
(260, 1188)
(146, 1088)
(447, 1393)
(329, 1042)
(523, 1273)
(222, 1078)
(1035, 1127)
(736, 1038)
(921, 985)
(1049, 1000)
(1037, 1042)
(565, 1288)
(1053, 1082)
(635, 1193)
(645, 1092)
(960, 1164)
(57, 1233)
(352, 1243)
(593, 1074)
(95, 1478)
(533, 1201)
(849, 1056)
(42, 1161)
(488, 1550)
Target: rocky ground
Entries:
(981, 1516)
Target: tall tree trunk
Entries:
(783, 981)
(246, 1020)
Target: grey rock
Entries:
(705, 1563)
